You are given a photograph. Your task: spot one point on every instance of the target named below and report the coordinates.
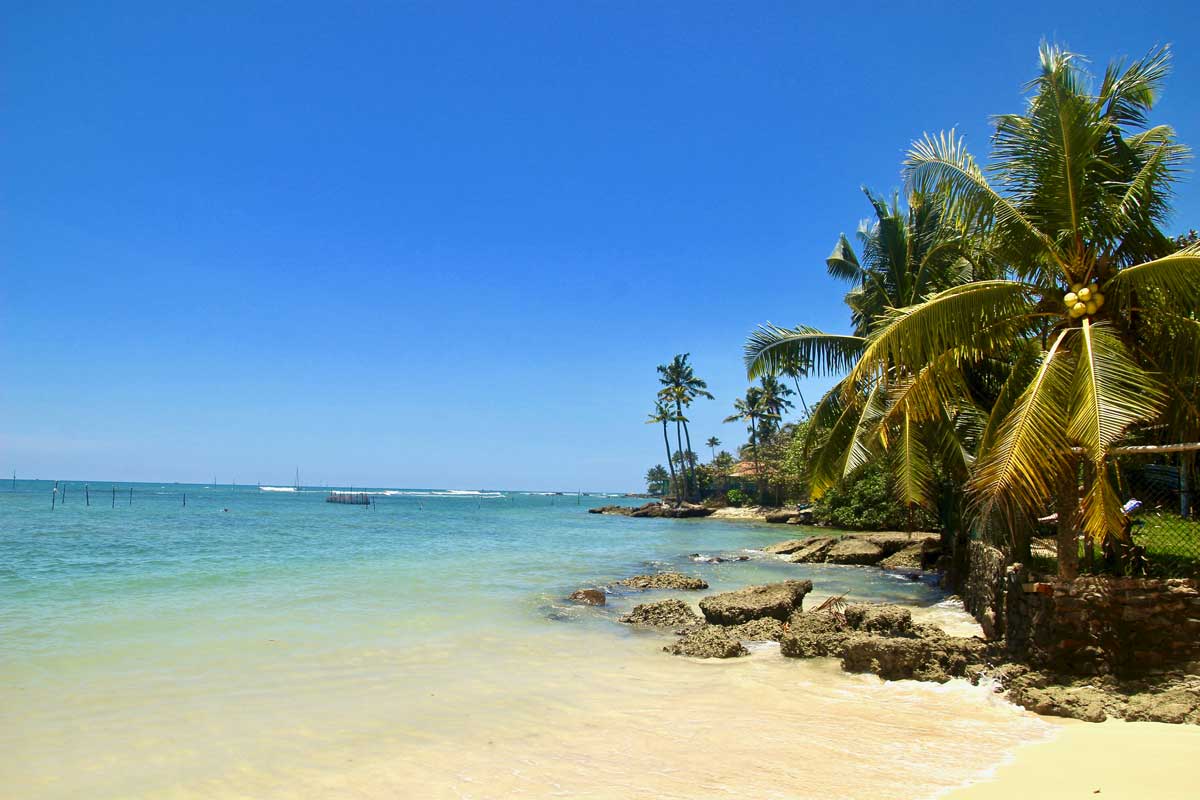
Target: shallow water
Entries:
(292, 648)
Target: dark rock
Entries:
(1076, 702)
(623, 511)
(917, 555)
(670, 511)
(776, 600)
(854, 551)
(590, 597)
(813, 551)
(884, 619)
(669, 613)
(779, 517)
(707, 641)
(664, 580)
(788, 547)
(814, 635)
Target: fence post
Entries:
(1185, 486)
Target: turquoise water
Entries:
(231, 646)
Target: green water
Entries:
(226, 647)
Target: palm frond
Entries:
(912, 472)
(843, 263)
(770, 348)
(1175, 279)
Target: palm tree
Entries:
(664, 414)
(749, 410)
(657, 480)
(1094, 313)
(712, 444)
(794, 367)
(906, 254)
(681, 387)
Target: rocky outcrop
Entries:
(588, 597)
(663, 580)
(781, 516)
(655, 510)
(708, 641)
(881, 639)
(1171, 698)
(889, 549)
(670, 613)
(854, 551)
(767, 629)
(788, 547)
(776, 600)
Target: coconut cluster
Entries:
(1083, 300)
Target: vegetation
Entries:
(1012, 325)
(658, 480)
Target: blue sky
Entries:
(439, 244)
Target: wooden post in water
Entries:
(130, 495)
(114, 503)
(87, 496)
(185, 499)
(53, 495)
(64, 494)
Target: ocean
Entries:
(267, 644)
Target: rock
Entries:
(891, 658)
(788, 547)
(623, 511)
(589, 597)
(776, 600)
(854, 551)
(664, 580)
(767, 629)
(779, 517)
(813, 551)
(884, 619)
(671, 613)
(674, 512)
(1175, 707)
(914, 556)
(708, 641)
(814, 635)
(1076, 702)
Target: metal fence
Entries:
(1163, 524)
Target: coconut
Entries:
(1070, 299)
(1078, 309)
(1098, 299)
(1084, 294)
(1075, 287)
(1091, 307)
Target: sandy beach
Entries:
(1114, 759)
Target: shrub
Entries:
(865, 503)
(737, 498)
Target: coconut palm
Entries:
(749, 409)
(712, 444)
(907, 253)
(1094, 312)
(681, 387)
(657, 480)
(794, 367)
(664, 414)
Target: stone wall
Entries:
(983, 590)
(1124, 627)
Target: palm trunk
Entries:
(1067, 505)
(679, 444)
(687, 460)
(800, 394)
(670, 465)
(754, 449)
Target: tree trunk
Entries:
(1067, 506)
(670, 465)
(758, 488)
(679, 444)
(687, 459)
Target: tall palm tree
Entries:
(663, 414)
(1093, 311)
(748, 409)
(712, 444)
(794, 367)
(906, 254)
(682, 387)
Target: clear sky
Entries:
(445, 245)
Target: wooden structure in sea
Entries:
(349, 498)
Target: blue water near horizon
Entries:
(126, 623)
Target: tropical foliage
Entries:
(1015, 322)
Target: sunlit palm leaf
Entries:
(912, 472)
(1176, 279)
(770, 347)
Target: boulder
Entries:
(671, 613)
(854, 551)
(788, 547)
(623, 511)
(588, 597)
(813, 551)
(814, 635)
(884, 619)
(779, 517)
(914, 556)
(670, 511)
(777, 600)
(1075, 702)
(707, 641)
(891, 658)
(664, 580)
